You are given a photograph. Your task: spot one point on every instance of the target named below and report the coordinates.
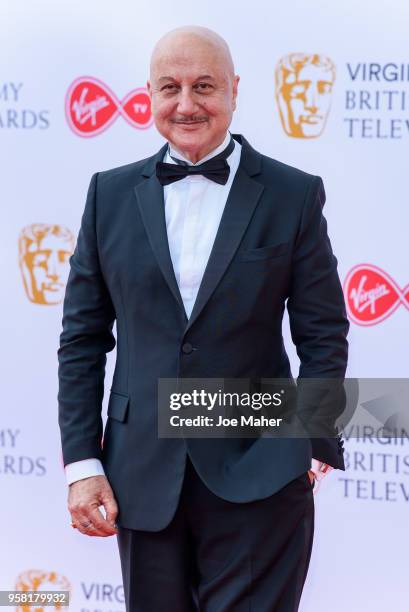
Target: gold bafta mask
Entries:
(38, 580)
(44, 252)
(303, 92)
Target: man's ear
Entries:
(236, 80)
(148, 87)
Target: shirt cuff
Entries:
(83, 469)
(320, 469)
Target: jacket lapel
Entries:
(149, 195)
(243, 198)
(241, 203)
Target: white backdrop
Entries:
(361, 537)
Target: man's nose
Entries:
(186, 102)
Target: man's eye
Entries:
(169, 87)
(203, 86)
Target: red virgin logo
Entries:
(91, 107)
(372, 295)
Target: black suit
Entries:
(272, 245)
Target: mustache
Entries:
(189, 119)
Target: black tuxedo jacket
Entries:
(271, 246)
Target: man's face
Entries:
(307, 99)
(47, 263)
(193, 97)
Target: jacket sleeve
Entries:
(316, 306)
(318, 320)
(88, 318)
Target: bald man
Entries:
(193, 252)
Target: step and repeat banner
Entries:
(324, 87)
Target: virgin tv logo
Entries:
(371, 295)
(91, 107)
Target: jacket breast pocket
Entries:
(118, 406)
(265, 252)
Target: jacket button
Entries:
(187, 348)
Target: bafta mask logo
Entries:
(39, 580)
(303, 92)
(44, 252)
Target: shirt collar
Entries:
(215, 151)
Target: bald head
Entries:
(186, 41)
(193, 90)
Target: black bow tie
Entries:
(216, 169)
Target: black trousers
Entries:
(219, 556)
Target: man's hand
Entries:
(84, 498)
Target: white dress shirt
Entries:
(193, 209)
